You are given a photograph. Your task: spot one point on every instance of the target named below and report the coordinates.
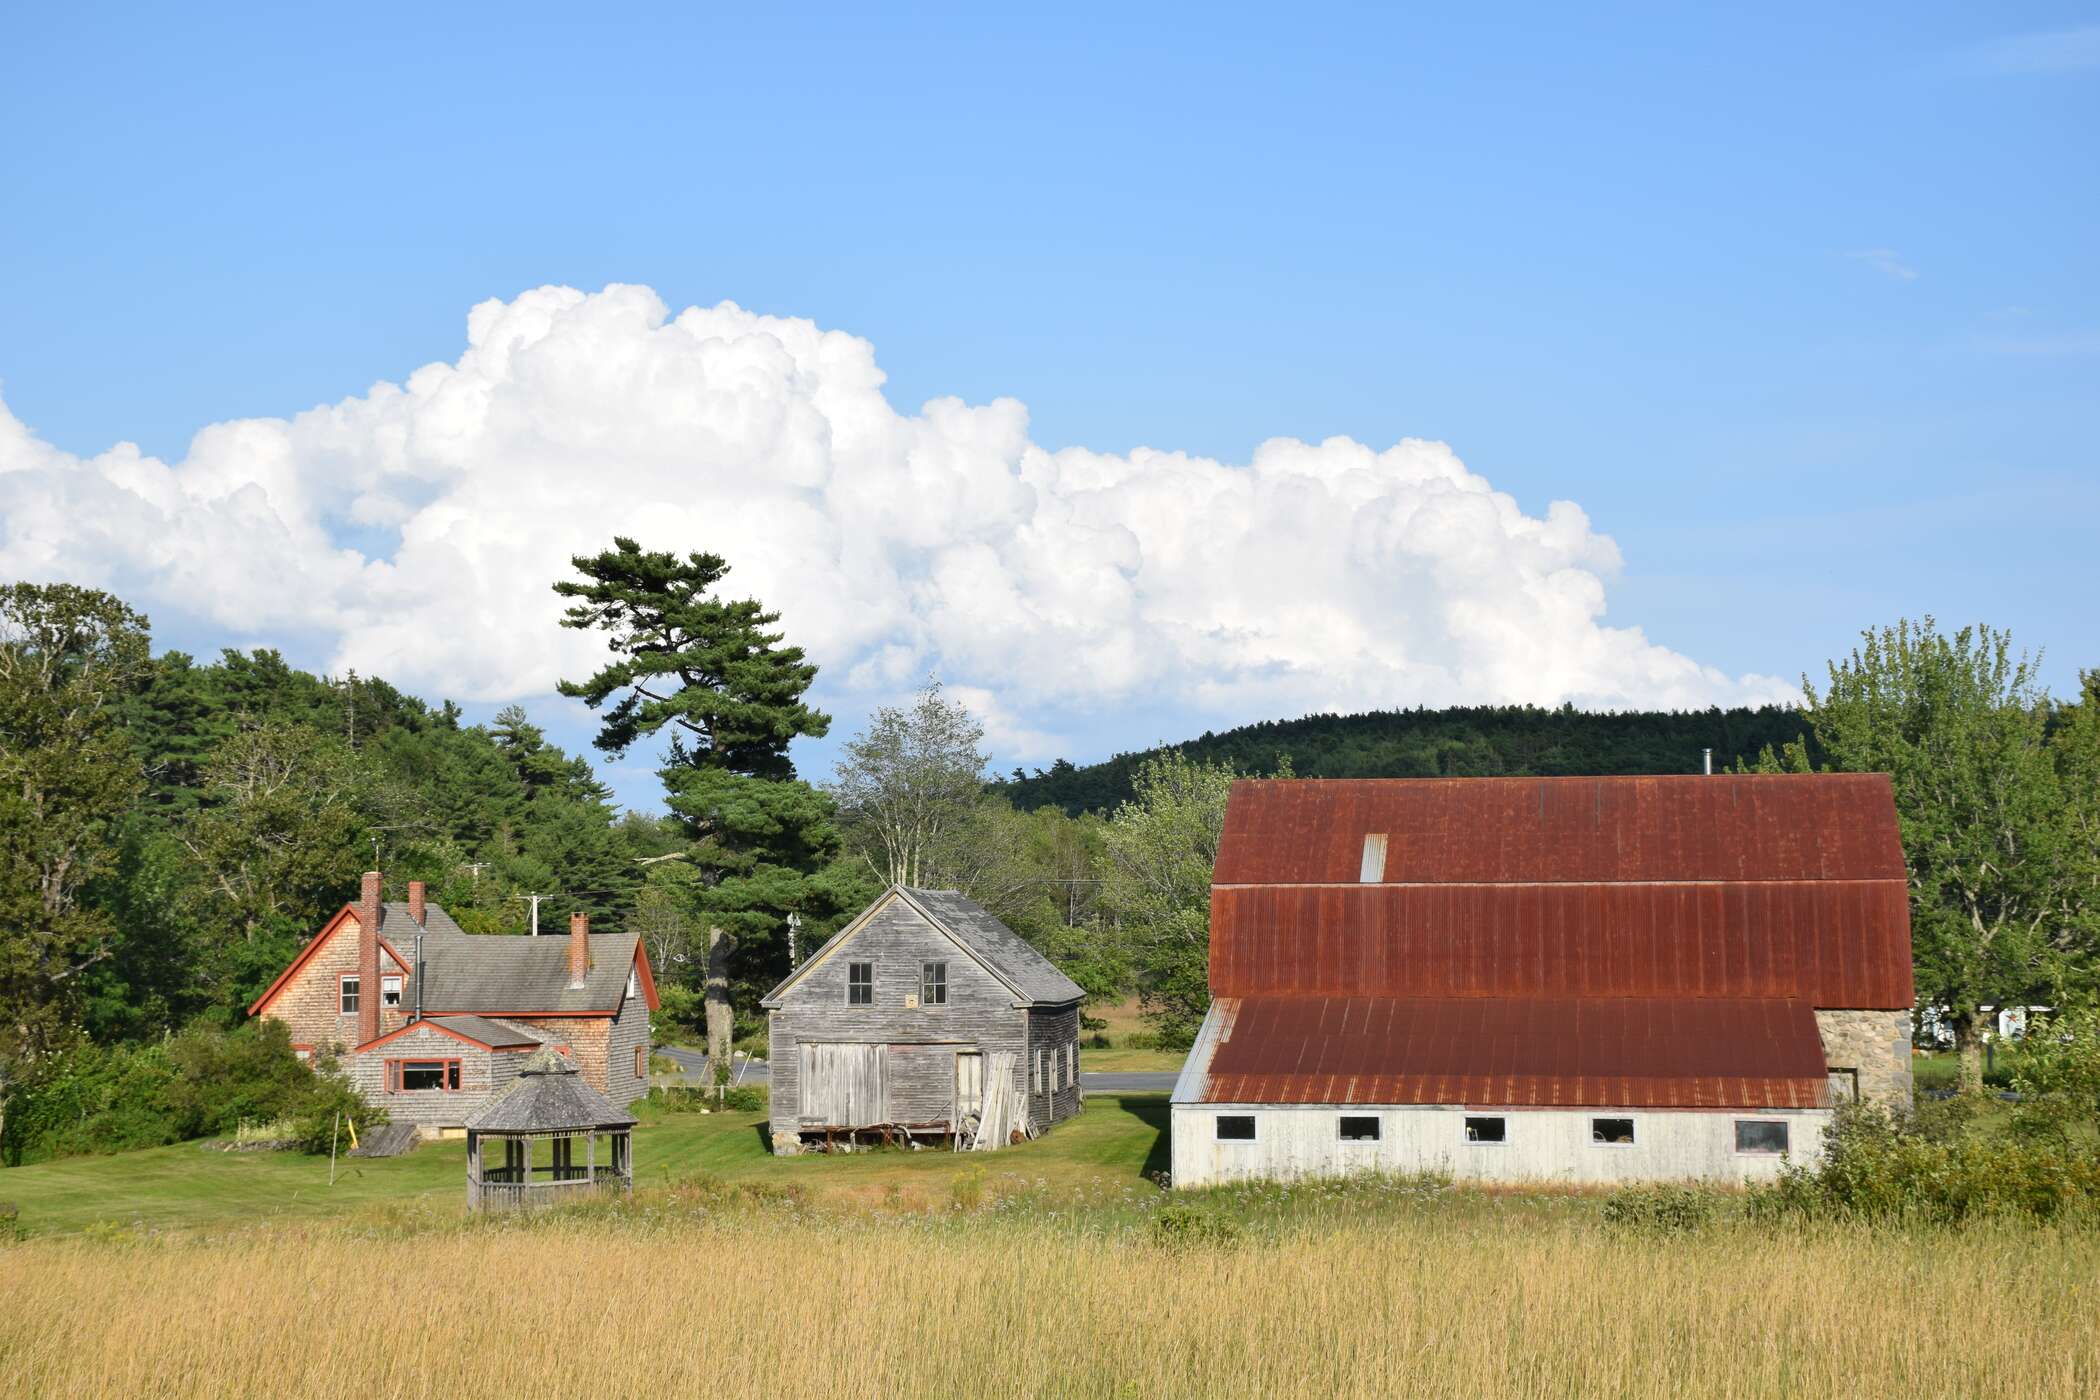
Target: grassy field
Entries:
(1355, 1292)
(1123, 1027)
(1118, 1140)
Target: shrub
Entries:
(1182, 1226)
(10, 1223)
(2056, 1069)
(742, 1098)
(1882, 1166)
(201, 1082)
(1664, 1208)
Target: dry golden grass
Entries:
(789, 1303)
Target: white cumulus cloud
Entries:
(1054, 588)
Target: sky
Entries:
(1135, 374)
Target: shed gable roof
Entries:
(1031, 977)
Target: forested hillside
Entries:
(264, 790)
(1463, 742)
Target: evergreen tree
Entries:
(713, 672)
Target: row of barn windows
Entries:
(1048, 1064)
(1759, 1136)
(860, 984)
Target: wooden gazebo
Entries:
(540, 1120)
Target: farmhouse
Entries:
(430, 1021)
(1564, 979)
(924, 1018)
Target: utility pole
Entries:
(534, 899)
(477, 866)
(794, 924)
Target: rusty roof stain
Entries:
(1518, 1052)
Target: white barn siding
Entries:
(1544, 1145)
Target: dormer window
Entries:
(1373, 869)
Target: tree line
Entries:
(173, 830)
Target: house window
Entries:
(415, 1076)
(641, 1062)
(1760, 1137)
(1844, 1085)
(860, 984)
(1373, 869)
(390, 990)
(933, 984)
(1487, 1130)
(349, 994)
(1611, 1132)
(1234, 1127)
(1360, 1129)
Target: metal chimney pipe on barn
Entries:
(1709, 762)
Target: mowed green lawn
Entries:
(1117, 1141)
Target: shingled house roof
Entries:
(1034, 979)
(395, 922)
(548, 1096)
(497, 1035)
(498, 974)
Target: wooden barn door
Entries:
(969, 1084)
(845, 1086)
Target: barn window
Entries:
(1373, 869)
(1035, 1073)
(1487, 1130)
(1760, 1137)
(1844, 1085)
(390, 990)
(1611, 1132)
(1071, 1063)
(933, 984)
(1235, 1127)
(1363, 1129)
(349, 995)
(860, 984)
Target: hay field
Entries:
(669, 1298)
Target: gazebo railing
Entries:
(517, 1181)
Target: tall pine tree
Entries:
(714, 673)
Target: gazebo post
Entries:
(590, 1158)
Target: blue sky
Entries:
(1799, 306)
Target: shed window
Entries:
(1373, 869)
(933, 984)
(1235, 1127)
(641, 1062)
(349, 996)
(1611, 1132)
(1360, 1129)
(412, 1076)
(1071, 1063)
(390, 990)
(860, 984)
(1761, 1137)
(1487, 1130)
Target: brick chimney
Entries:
(415, 901)
(368, 959)
(579, 949)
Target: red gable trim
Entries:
(641, 965)
(314, 946)
(424, 1025)
(540, 1015)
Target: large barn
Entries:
(1560, 979)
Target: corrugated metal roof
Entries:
(1787, 826)
(1834, 944)
(1732, 886)
(1631, 1052)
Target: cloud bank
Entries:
(413, 532)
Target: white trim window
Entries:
(390, 991)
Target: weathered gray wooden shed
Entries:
(539, 1122)
(925, 1019)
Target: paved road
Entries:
(759, 1072)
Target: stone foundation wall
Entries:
(1876, 1044)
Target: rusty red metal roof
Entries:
(1788, 886)
(1779, 826)
(1543, 1052)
